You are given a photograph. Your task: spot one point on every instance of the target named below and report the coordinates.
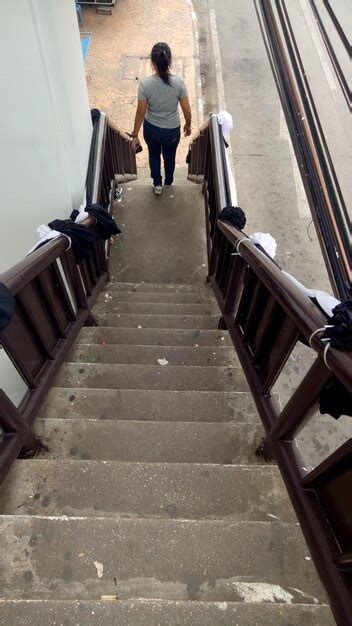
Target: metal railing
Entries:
(316, 161)
(266, 315)
(54, 296)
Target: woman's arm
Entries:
(186, 110)
(139, 117)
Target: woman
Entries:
(157, 110)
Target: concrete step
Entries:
(162, 238)
(173, 377)
(180, 171)
(151, 442)
(154, 336)
(188, 297)
(146, 185)
(165, 490)
(134, 320)
(156, 612)
(86, 558)
(136, 404)
(113, 307)
(144, 179)
(149, 355)
(167, 288)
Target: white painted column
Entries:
(45, 126)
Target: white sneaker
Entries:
(157, 190)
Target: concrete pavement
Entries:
(119, 56)
(268, 182)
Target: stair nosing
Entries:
(168, 314)
(244, 466)
(90, 364)
(112, 295)
(144, 520)
(176, 304)
(173, 365)
(130, 328)
(152, 345)
(102, 389)
(143, 600)
(107, 389)
(157, 422)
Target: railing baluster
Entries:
(53, 298)
(221, 255)
(255, 311)
(233, 292)
(271, 315)
(18, 360)
(283, 343)
(73, 274)
(91, 269)
(249, 282)
(65, 295)
(86, 277)
(302, 403)
(35, 322)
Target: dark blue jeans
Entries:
(161, 141)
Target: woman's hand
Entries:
(136, 144)
(186, 110)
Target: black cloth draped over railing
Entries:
(106, 226)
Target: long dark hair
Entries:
(161, 58)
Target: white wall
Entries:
(45, 126)
(45, 130)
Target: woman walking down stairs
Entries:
(150, 506)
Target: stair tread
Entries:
(173, 559)
(153, 336)
(115, 307)
(138, 612)
(133, 320)
(149, 355)
(147, 250)
(177, 377)
(134, 404)
(143, 286)
(161, 490)
(177, 297)
(172, 442)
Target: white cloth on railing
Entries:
(266, 241)
(325, 300)
(82, 214)
(45, 233)
(226, 122)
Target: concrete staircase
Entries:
(150, 506)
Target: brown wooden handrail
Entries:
(266, 314)
(54, 296)
(28, 268)
(120, 132)
(305, 314)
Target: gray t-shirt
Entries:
(162, 100)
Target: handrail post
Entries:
(221, 185)
(99, 157)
